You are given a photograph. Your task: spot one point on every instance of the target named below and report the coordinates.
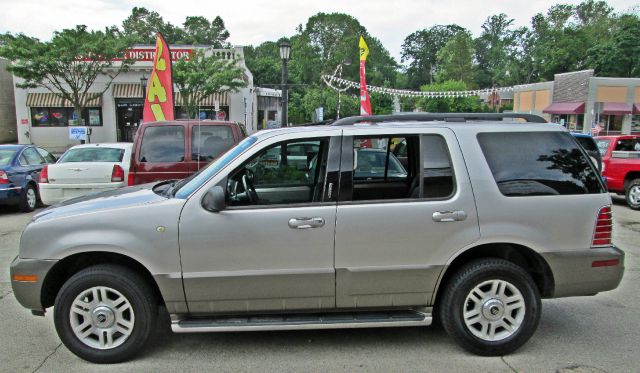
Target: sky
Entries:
(251, 22)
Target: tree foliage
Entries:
(69, 64)
(455, 59)
(449, 104)
(203, 75)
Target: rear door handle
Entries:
(445, 216)
(305, 223)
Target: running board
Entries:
(302, 322)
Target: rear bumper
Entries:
(574, 272)
(29, 294)
(10, 194)
(50, 194)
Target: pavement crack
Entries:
(47, 358)
(4, 295)
(509, 365)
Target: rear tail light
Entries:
(117, 175)
(4, 179)
(44, 175)
(604, 228)
(131, 179)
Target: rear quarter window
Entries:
(538, 163)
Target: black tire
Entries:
(631, 194)
(454, 302)
(29, 199)
(130, 285)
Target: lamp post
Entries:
(143, 84)
(346, 62)
(285, 54)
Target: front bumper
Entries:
(574, 272)
(29, 294)
(50, 194)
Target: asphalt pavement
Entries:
(582, 334)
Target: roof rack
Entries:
(445, 117)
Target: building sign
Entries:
(24, 121)
(148, 54)
(77, 133)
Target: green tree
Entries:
(264, 63)
(619, 56)
(142, 25)
(470, 104)
(69, 64)
(204, 75)
(420, 49)
(198, 30)
(455, 59)
(495, 49)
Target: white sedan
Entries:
(84, 169)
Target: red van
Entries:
(176, 149)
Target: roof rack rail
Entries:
(428, 117)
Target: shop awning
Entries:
(222, 98)
(615, 108)
(636, 109)
(127, 91)
(52, 100)
(565, 108)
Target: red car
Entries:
(176, 149)
(621, 166)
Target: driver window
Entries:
(283, 173)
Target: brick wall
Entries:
(572, 87)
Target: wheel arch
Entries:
(68, 266)
(631, 175)
(523, 256)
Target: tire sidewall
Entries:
(24, 204)
(135, 294)
(635, 182)
(527, 288)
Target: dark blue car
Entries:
(20, 167)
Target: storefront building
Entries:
(582, 102)
(43, 118)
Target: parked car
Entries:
(483, 224)
(590, 146)
(85, 169)
(621, 166)
(20, 167)
(177, 149)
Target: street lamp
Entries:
(285, 54)
(143, 84)
(346, 62)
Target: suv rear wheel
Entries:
(490, 307)
(104, 314)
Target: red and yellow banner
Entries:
(158, 103)
(365, 102)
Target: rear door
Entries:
(395, 233)
(161, 154)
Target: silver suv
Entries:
(488, 214)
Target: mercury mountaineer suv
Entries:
(483, 215)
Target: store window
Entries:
(60, 116)
(203, 113)
(612, 123)
(635, 123)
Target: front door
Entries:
(399, 222)
(271, 249)
(128, 117)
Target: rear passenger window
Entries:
(162, 144)
(438, 173)
(538, 163)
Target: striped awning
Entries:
(222, 98)
(52, 100)
(127, 91)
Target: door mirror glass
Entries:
(214, 199)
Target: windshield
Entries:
(5, 156)
(184, 189)
(92, 155)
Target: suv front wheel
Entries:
(490, 307)
(105, 313)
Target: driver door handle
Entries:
(445, 216)
(305, 223)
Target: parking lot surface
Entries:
(582, 334)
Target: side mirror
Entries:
(214, 200)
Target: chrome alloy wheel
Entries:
(101, 318)
(634, 194)
(494, 310)
(32, 198)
